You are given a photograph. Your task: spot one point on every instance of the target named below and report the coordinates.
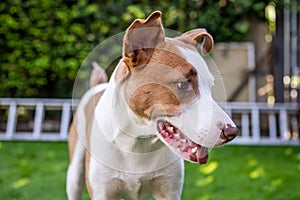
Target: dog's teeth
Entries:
(177, 136)
(164, 133)
(184, 148)
(183, 140)
(170, 129)
(160, 126)
(194, 150)
(192, 144)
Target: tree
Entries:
(43, 43)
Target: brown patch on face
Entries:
(122, 72)
(152, 100)
(162, 87)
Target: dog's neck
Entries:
(120, 125)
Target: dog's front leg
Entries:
(75, 174)
(104, 182)
(169, 185)
(168, 189)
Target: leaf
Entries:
(136, 11)
(242, 26)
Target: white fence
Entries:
(49, 120)
(264, 124)
(35, 119)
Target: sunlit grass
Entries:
(245, 172)
(31, 170)
(37, 170)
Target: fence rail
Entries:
(24, 119)
(49, 120)
(261, 123)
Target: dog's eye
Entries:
(184, 85)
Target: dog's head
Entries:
(167, 82)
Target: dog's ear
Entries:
(196, 36)
(141, 38)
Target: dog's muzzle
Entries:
(185, 147)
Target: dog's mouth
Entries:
(183, 146)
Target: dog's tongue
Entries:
(202, 155)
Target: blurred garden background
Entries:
(43, 44)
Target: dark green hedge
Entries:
(43, 42)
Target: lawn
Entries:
(36, 170)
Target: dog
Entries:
(129, 137)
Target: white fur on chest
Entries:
(135, 186)
(124, 151)
(118, 136)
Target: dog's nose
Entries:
(229, 132)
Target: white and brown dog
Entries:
(129, 136)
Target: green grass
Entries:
(37, 170)
(246, 172)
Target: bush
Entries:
(44, 42)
